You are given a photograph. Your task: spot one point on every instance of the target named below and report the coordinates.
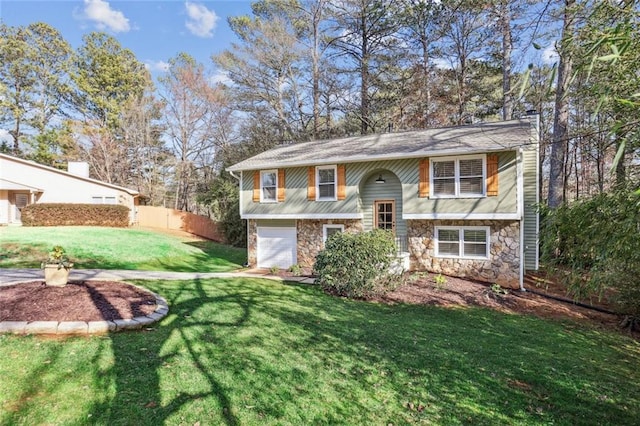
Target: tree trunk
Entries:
(561, 115)
(507, 47)
(364, 80)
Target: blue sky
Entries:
(155, 30)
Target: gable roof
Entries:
(62, 172)
(476, 138)
(15, 186)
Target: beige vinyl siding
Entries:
(390, 190)
(407, 172)
(505, 202)
(275, 223)
(296, 201)
(530, 216)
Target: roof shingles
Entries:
(486, 137)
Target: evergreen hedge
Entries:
(60, 214)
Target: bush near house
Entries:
(358, 265)
(594, 245)
(59, 214)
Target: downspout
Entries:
(232, 174)
(521, 213)
(239, 179)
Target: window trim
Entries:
(275, 192)
(461, 230)
(327, 226)
(456, 160)
(333, 167)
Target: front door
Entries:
(385, 214)
(20, 201)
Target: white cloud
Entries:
(5, 136)
(442, 64)
(202, 21)
(101, 13)
(156, 66)
(220, 77)
(550, 54)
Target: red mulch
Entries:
(109, 300)
(77, 301)
(420, 288)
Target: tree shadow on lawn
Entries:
(245, 351)
(481, 366)
(172, 345)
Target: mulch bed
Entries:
(77, 301)
(109, 300)
(420, 288)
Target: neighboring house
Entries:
(24, 182)
(460, 200)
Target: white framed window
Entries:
(329, 229)
(470, 242)
(326, 183)
(453, 177)
(103, 200)
(269, 186)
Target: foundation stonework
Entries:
(310, 237)
(502, 266)
(252, 243)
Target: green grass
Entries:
(256, 352)
(115, 248)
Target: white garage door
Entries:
(276, 247)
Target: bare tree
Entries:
(560, 138)
(465, 36)
(191, 103)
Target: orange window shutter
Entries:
(423, 184)
(492, 175)
(342, 182)
(311, 184)
(281, 185)
(256, 186)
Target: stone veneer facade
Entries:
(310, 237)
(309, 234)
(502, 267)
(252, 243)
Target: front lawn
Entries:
(116, 248)
(254, 352)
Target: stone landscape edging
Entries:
(88, 327)
(101, 327)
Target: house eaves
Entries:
(7, 185)
(487, 137)
(132, 192)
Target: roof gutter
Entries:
(370, 158)
(232, 173)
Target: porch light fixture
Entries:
(380, 180)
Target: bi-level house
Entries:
(460, 200)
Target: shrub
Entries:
(60, 214)
(296, 270)
(440, 281)
(358, 265)
(596, 244)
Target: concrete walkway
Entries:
(16, 276)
